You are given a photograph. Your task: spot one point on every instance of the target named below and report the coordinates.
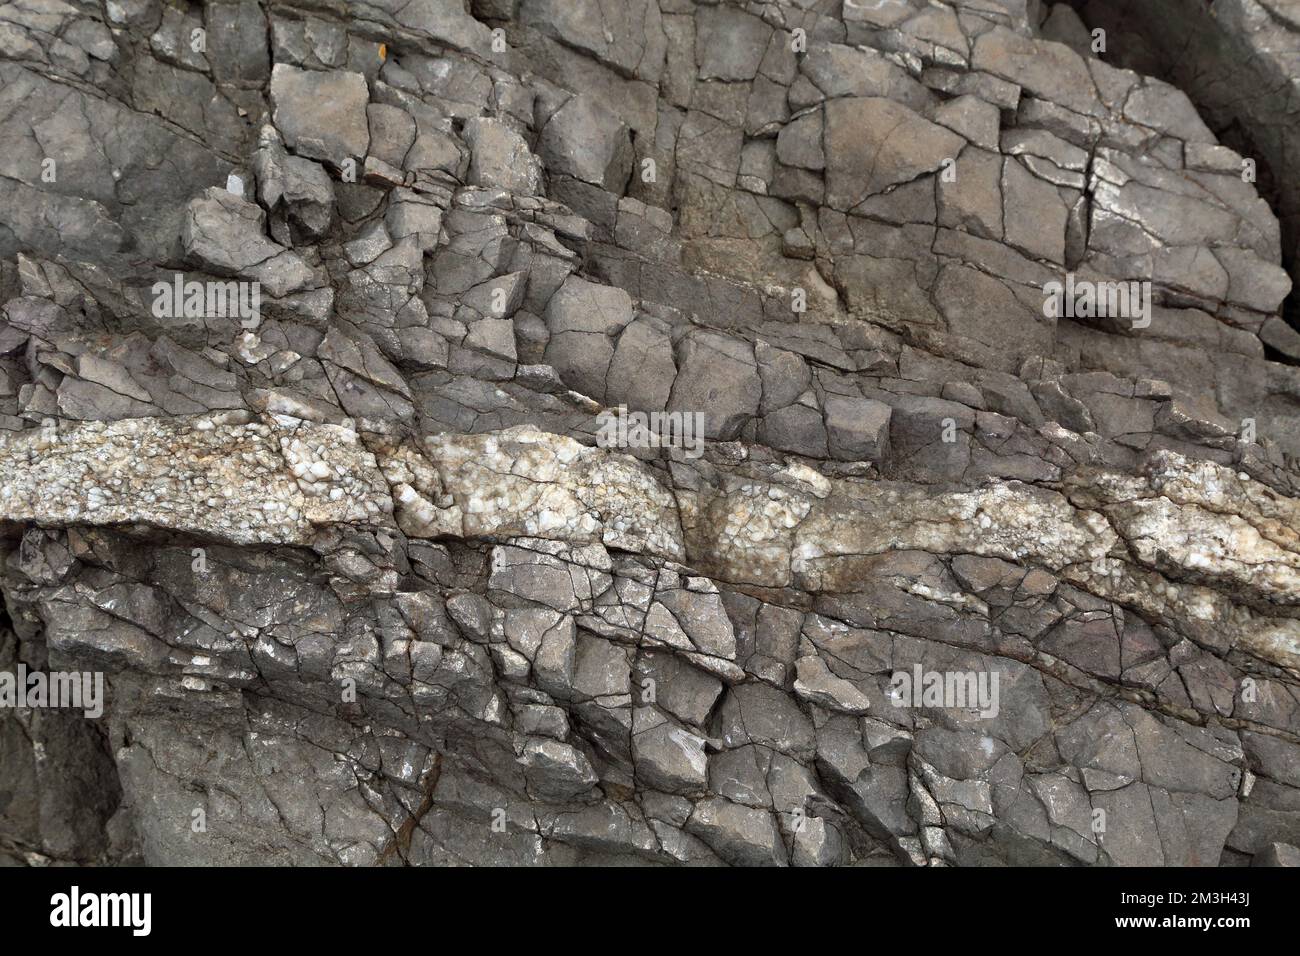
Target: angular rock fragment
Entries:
(873, 143)
(321, 114)
(586, 140)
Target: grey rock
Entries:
(500, 158)
(366, 579)
(873, 143)
(627, 36)
(582, 318)
(225, 233)
(587, 141)
(815, 683)
(857, 429)
(729, 43)
(718, 378)
(557, 770)
(667, 757)
(1277, 854)
(322, 115)
(742, 836)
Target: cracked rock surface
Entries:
(313, 320)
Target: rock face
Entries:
(537, 432)
(1239, 62)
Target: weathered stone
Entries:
(874, 143)
(717, 378)
(857, 429)
(500, 157)
(322, 115)
(666, 756)
(729, 43)
(740, 835)
(715, 486)
(815, 683)
(587, 141)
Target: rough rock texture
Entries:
(1239, 61)
(370, 584)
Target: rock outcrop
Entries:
(537, 432)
